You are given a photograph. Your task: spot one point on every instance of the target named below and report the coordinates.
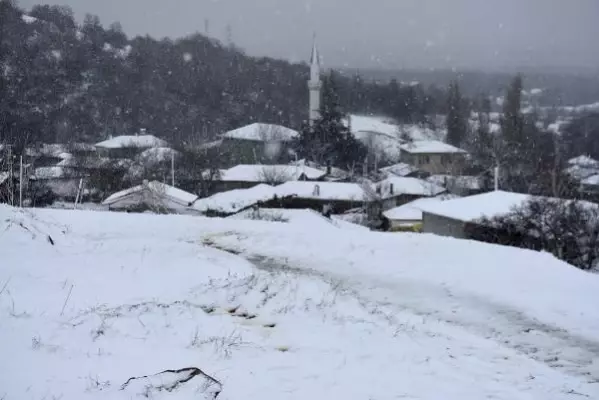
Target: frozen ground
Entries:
(193, 308)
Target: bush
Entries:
(568, 229)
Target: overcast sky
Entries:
(377, 33)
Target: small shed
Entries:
(152, 196)
(409, 215)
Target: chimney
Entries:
(391, 189)
(329, 168)
(316, 191)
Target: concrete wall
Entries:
(442, 226)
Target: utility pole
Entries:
(21, 181)
(173, 169)
(496, 178)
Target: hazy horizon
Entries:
(382, 34)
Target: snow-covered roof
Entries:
(233, 201)
(3, 177)
(578, 172)
(583, 161)
(157, 154)
(260, 132)
(471, 208)
(592, 180)
(50, 173)
(340, 191)
(397, 186)
(381, 125)
(28, 19)
(463, 181)
(400, 169)
(132, 141)
(411, 211)
(269, 173)
(155, 188)
(430, 146)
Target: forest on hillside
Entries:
(63, 82)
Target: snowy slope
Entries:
(297, 314)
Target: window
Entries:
(424, 159)
(445, 159)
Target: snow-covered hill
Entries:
(198, 308)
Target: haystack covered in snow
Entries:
(153, 196)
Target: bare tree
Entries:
(568, 229)
(275, 175)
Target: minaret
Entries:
(314, 84)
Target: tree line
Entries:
(61, 81)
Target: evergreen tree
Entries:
(457, 122)
(329, 140)
(512, 123)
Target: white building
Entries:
(314, 84)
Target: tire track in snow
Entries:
(541, 342)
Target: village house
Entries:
(245, 176)
(128, 146)
(324, 197)
(258, 143)
(434, 157)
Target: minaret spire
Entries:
(314, 84)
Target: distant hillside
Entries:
(560, 87)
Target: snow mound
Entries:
(250, 309)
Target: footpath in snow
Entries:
(121, 306)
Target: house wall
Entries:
(235, 152)
(398, 200)
(398, 223)
(122, 152)
(317, 205)
(434, 163)
(443, 226)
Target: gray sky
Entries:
(377, 33)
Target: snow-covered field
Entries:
(245, 309)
